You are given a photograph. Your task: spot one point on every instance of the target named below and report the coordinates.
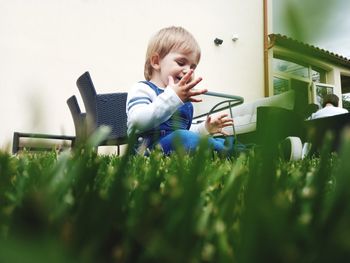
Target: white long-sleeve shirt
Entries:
(146, 109)
(328, 111)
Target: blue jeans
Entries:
(190, 141)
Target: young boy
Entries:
(159, 109)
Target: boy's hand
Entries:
(214, 124)
(184, 87)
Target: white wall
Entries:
(46, 45)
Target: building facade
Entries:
(308, 67)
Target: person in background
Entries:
(160, 108)
(329, 107)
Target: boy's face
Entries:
(174, 64)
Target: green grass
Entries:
(82, 207)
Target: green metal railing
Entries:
(228, 102)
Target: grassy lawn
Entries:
(82, 207)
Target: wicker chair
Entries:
(104, 110)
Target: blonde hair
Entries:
(170, 39)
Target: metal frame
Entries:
(231, 101)
(18, 135)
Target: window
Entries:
(290, 68)
(320, 90)
(285, 70)
(318, 75)
(345, 90)
(280, 85)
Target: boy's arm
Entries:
(213, 124)
(146, 110)
(199, 128)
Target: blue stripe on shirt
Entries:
(139, 98)
(136, 103)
